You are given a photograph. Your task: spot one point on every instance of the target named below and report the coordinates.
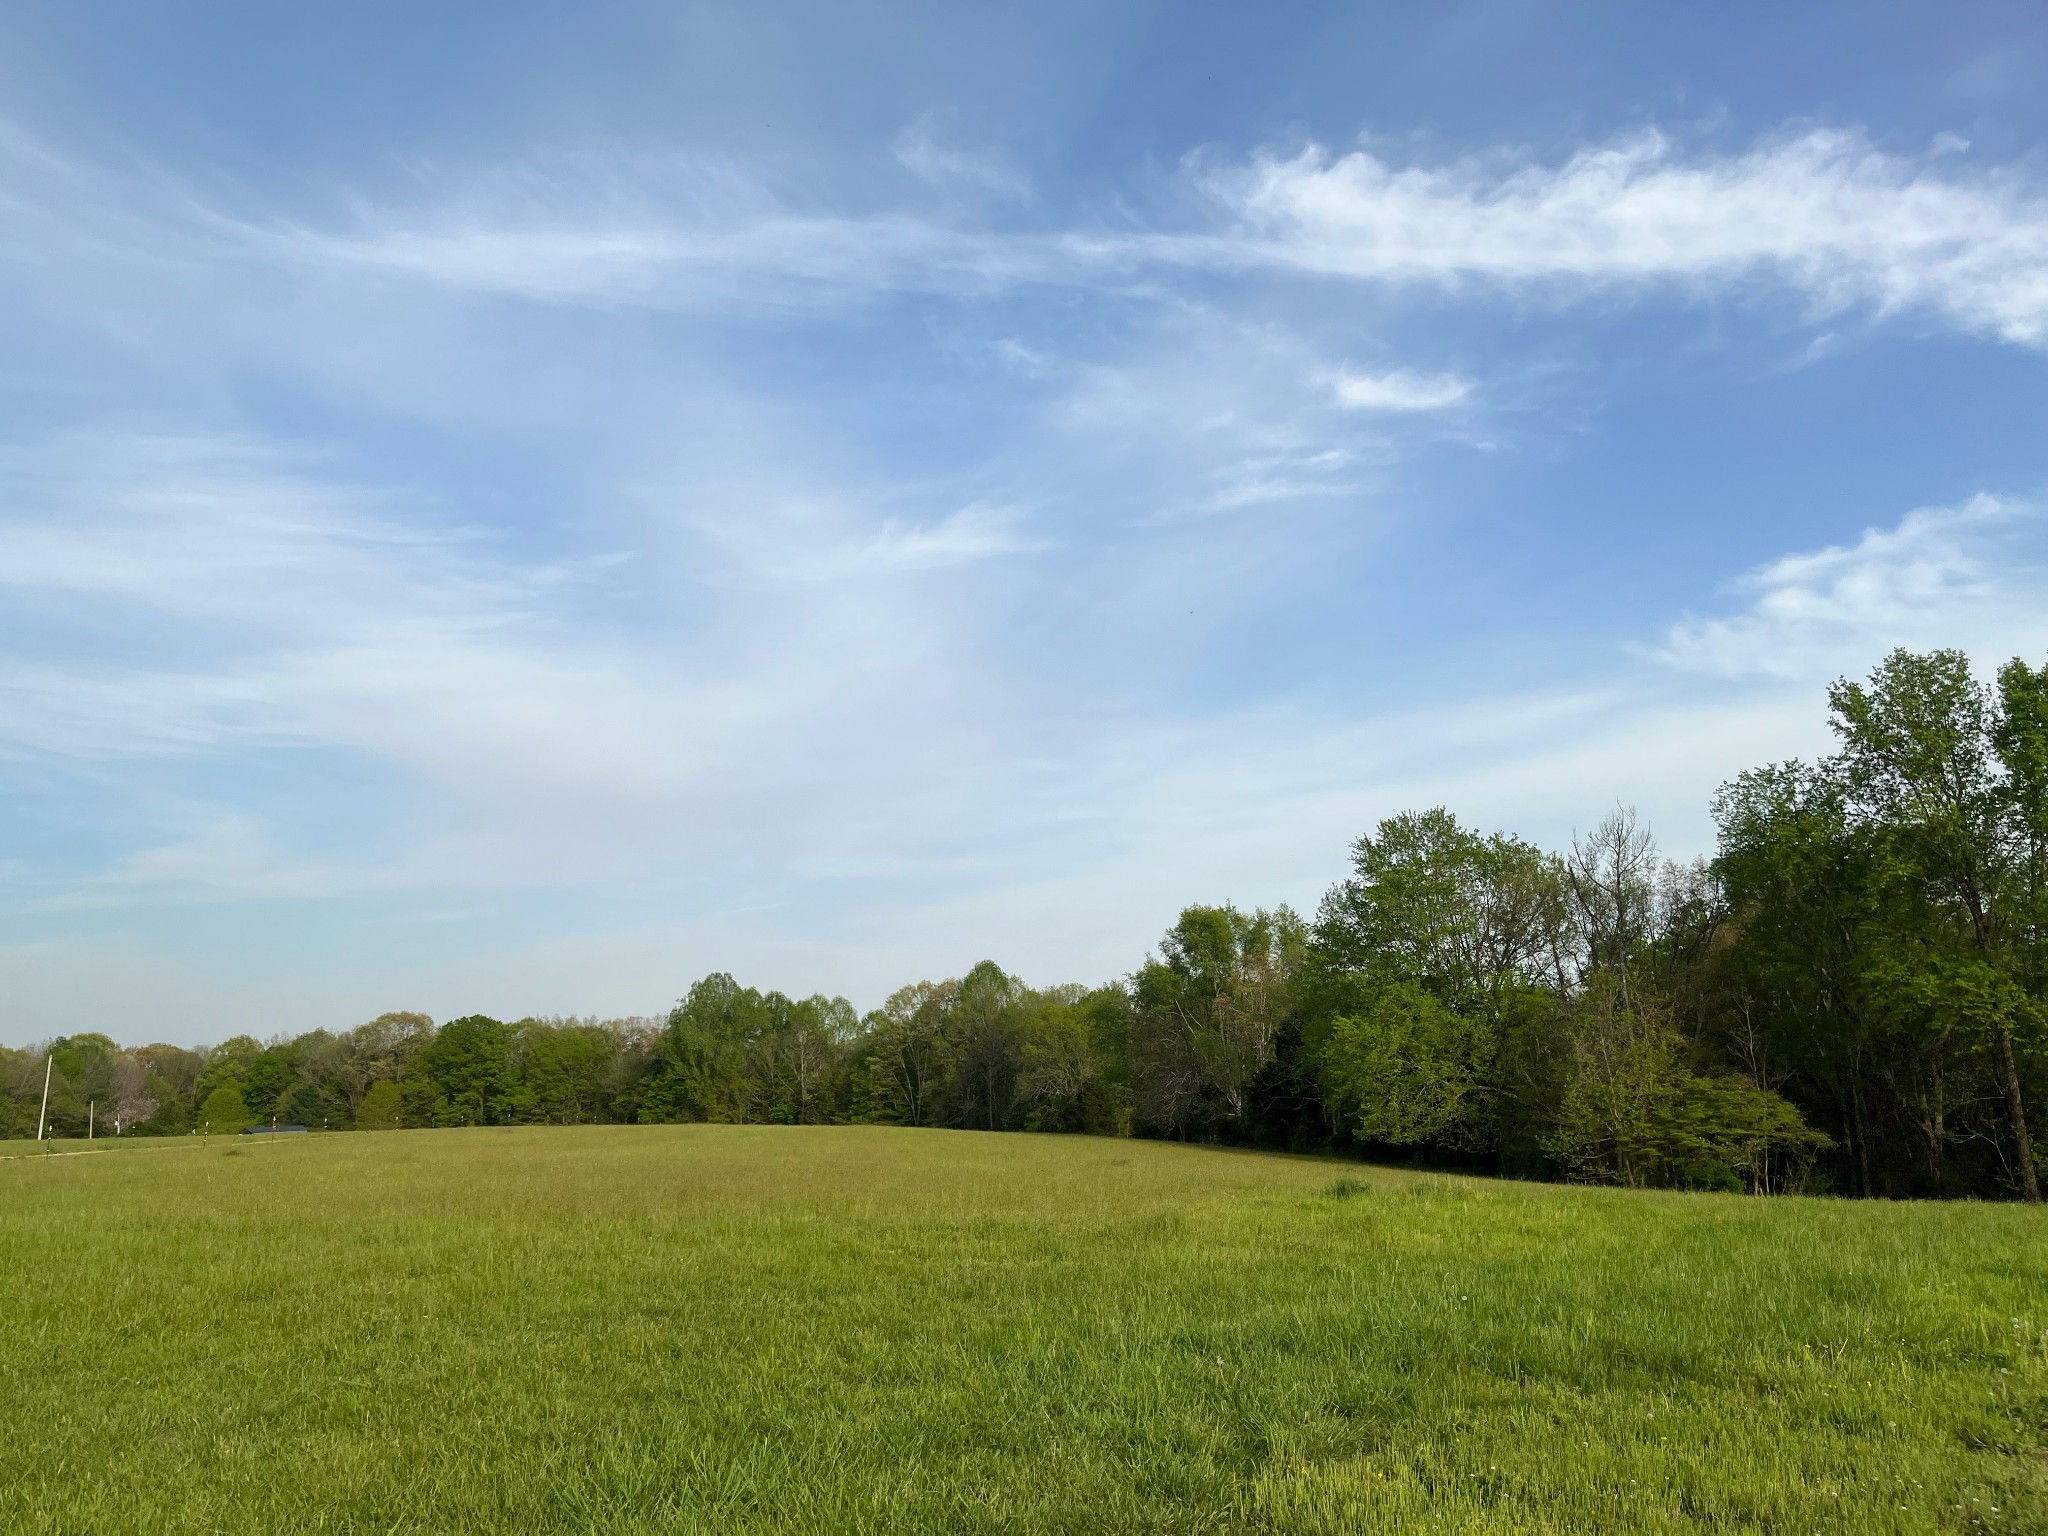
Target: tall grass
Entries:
(697, 1328)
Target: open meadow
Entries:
(717, 1328)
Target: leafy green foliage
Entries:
(1632, 1113)
(1888, 902)
(224, 1111)
(1208, 1014)
(1409, 1071)
(382, 1109)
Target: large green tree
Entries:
(1208, 1010)
(1418, 966)
(1922, 764)
(464, 1075)
(905, 1064)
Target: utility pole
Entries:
(44, 1114)
(92, 1109)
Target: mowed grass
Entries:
(703, 1328)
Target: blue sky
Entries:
(509, 508)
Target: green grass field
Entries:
(702, 1328)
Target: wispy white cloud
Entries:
(204, 599)
(971, 534)
(664, 260)
(809, 543)
(1272, 477)
(225, 593)
(628, 226)
(1023, 358)
(1220, 415)
(921, 151)
(1399, 391)
(225, 857)
(1825, 213)
(1970, 575)
(659, 229)
(216, 526)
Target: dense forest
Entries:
(1849, 997)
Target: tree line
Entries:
(1850, 996)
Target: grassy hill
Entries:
(682, 1328)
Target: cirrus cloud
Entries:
(1825, 213)
(1400, 391)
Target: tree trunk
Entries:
(2023, 1146)
(1862, 1136)
(1937, 1135)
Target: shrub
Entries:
(382, 1109)
(224, 1113)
